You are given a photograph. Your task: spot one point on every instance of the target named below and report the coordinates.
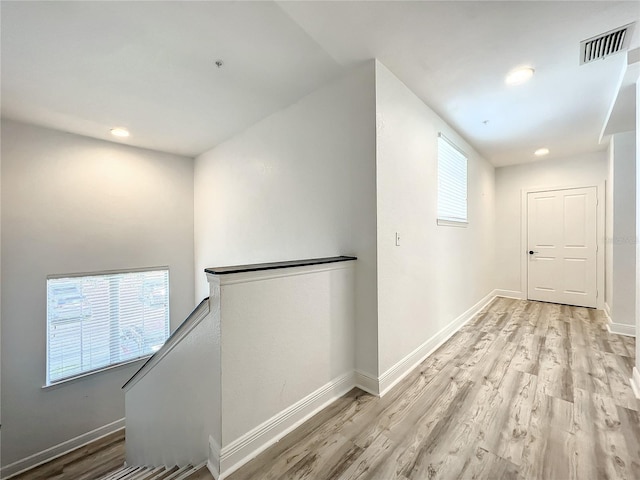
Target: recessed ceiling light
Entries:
(120, 132)
(519, 75)
(541, 152)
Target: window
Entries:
(452, 184)
(96, 321)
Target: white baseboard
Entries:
(510, 294)
(240, 451)
(243, 449)
(213, 462)
(224, 461)
(618, 328)
(622, 329)
(401, 369)
(367, 383)
(56, 451)
(635, 382)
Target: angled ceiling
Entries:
(622, 113)
(85, 67)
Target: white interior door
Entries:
(561, 231)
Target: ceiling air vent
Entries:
(606, 44)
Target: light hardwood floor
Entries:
(526, 390)
(104, 460)
(85, 463)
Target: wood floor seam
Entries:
(524, 391)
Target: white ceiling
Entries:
(85, 67)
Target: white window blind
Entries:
(100, 320)
(452, 183)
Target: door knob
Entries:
(531, 252)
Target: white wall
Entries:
(636, 370)
(299, 184)
(608, 258)
(268, 350)
(437, 272)
(285, 334)
(621, 240)
(74, 204)
(586, 169)
(0, 301)
(169, 407)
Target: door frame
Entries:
(600, 234)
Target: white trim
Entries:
(401, 369)
(452, 143)
(172, 341)
(213, 470)
(452, 223)
(618, 328)
(101, 273)
(59, 450)
(213, 462)
(80, 376)
(260, 275)
(243, 449)
(622, 329)
(510, 294)
(635, 382)
(600, 235)
(366, 383)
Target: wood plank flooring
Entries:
(104, 460)
(84, 463)
(526, 390)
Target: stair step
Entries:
(114, 474)
(120, 474)
(181, 473)
(166, 473)
(136, 474)
(187, 472)
(147, 473)
(201, 472)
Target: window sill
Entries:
(450, 223)
(80, 376)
